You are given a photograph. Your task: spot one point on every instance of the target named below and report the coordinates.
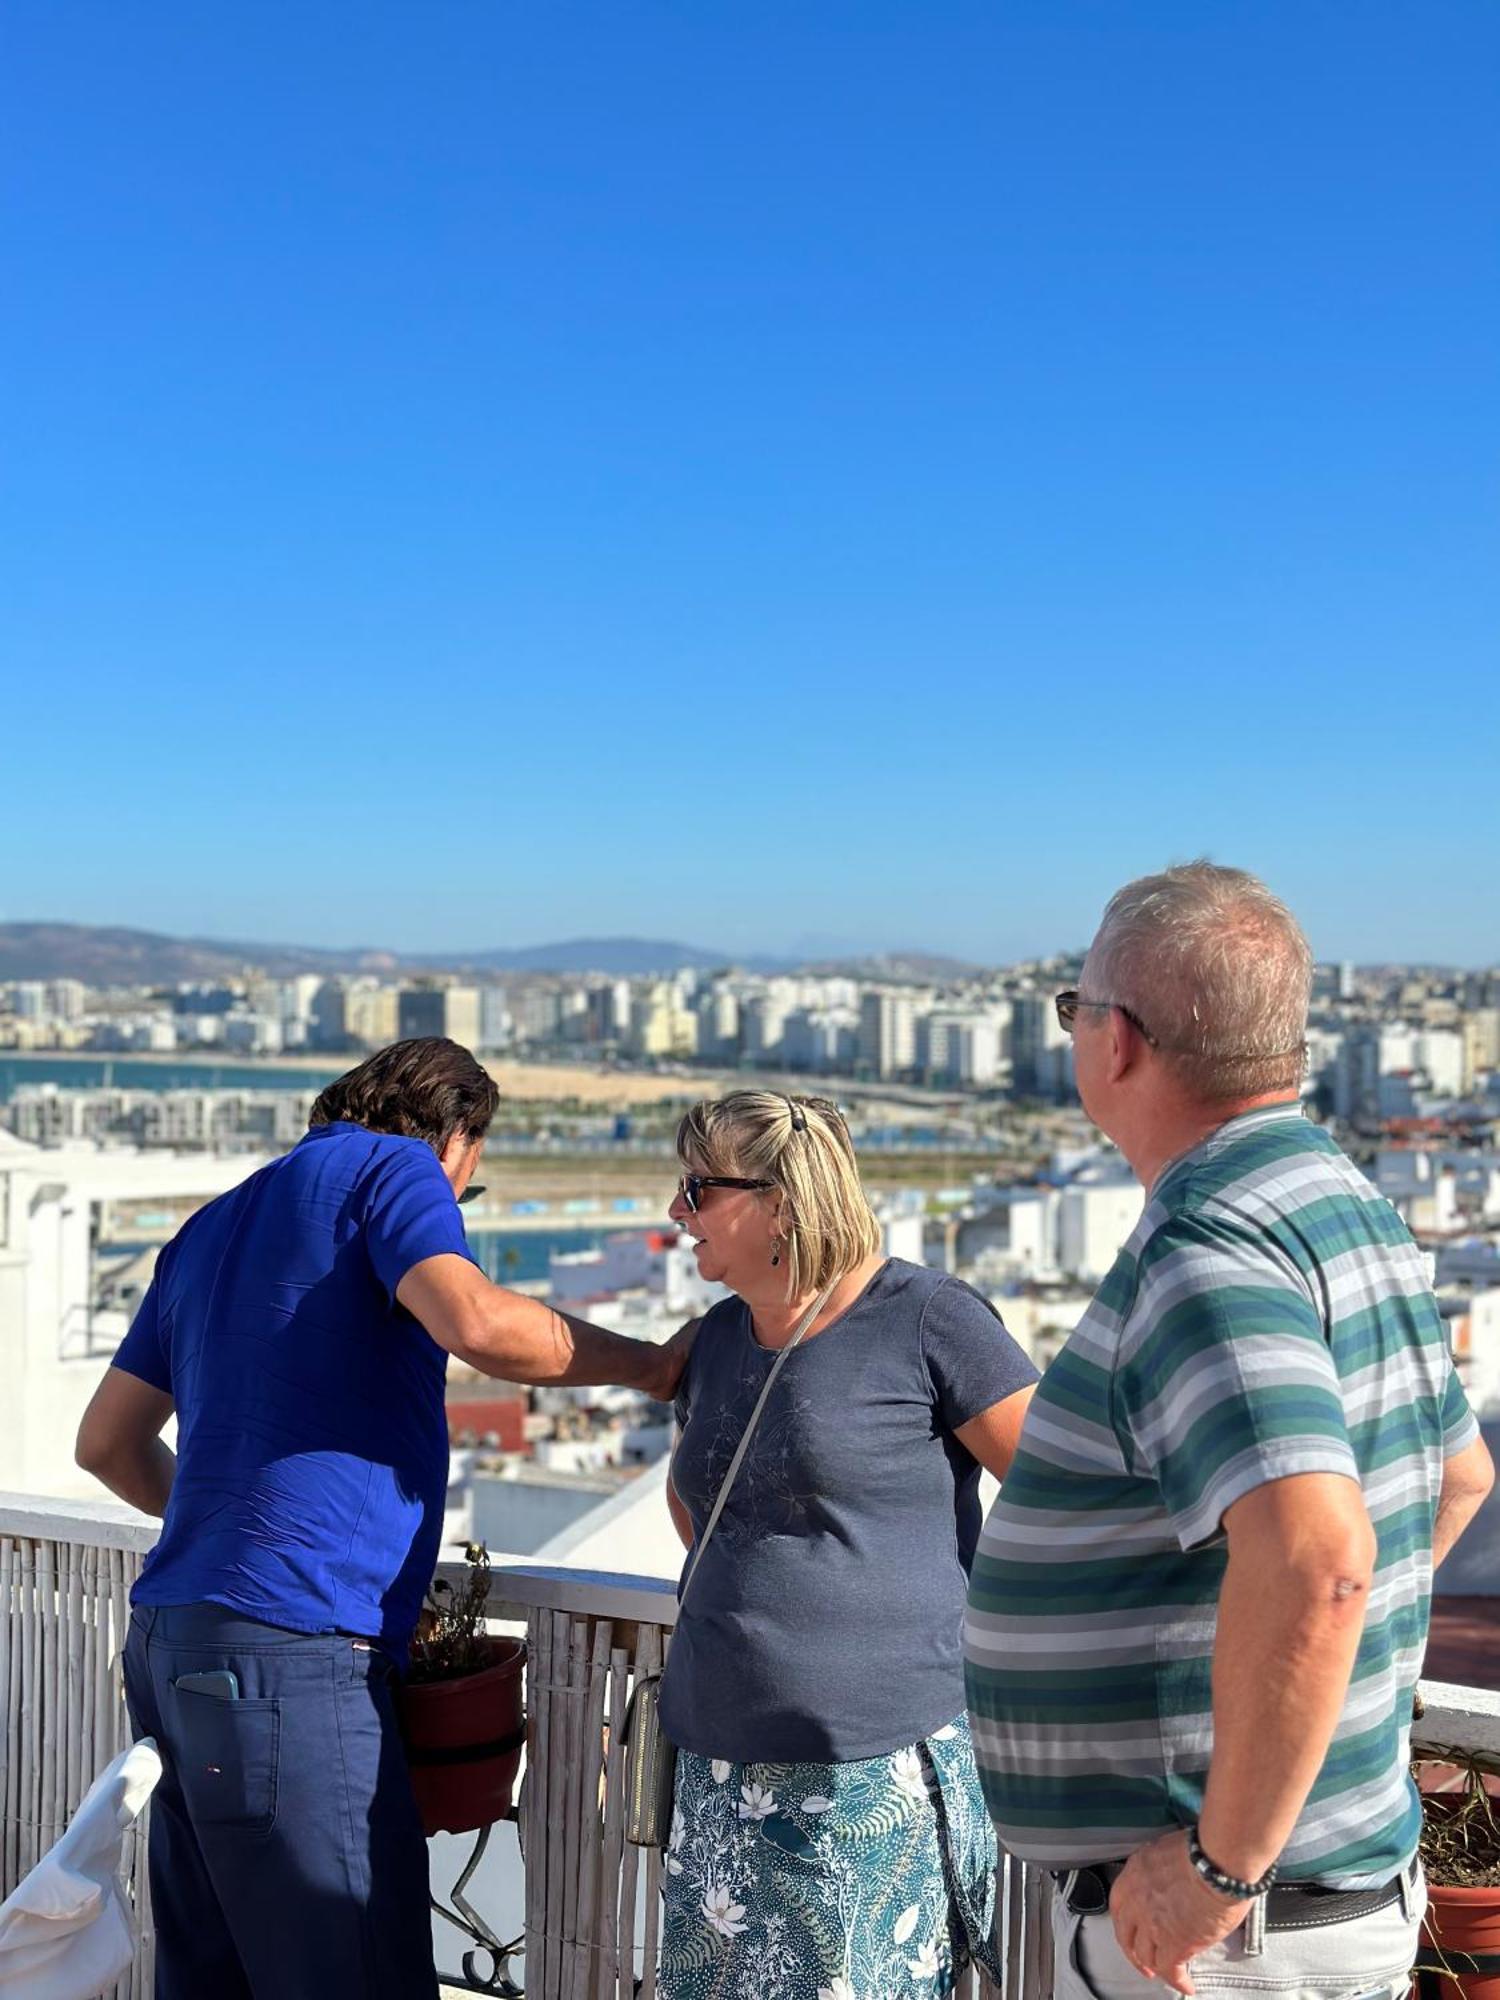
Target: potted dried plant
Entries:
(1460, 1957)
(461, 1707)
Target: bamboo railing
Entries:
(592, 1901)
(64, 1610)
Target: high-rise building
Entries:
(440, 1010)
(660, 1025)
(1041, 1052)
(372, 1014)
(536, 1014)
(824, 1039)
(66, 998)
(328, 1026)
(887, 1031)
(718, 1012)
(959, 1047)
(1481, 1032)
(495, 1025)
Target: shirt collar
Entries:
(1232, 1128)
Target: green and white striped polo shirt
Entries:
(1270, 1315)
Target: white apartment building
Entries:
(887, 1031)
(1094, 1217)
(960, 1047)
(718, 1012)
(658, 1262)
(536, 1012)
(1073, 1231)
(54, 1338)
(1382, 1068)
(252, 1034)
(661, 1023)
(371, 1013)
(763, 1018)
(1041, 1049)
(820, 1039)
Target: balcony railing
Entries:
(591, 1901)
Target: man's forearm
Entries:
(140, 1478)
(524, 1341)
(1283, 1654)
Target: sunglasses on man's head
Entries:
(691, 1186)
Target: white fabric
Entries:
(67, 1931)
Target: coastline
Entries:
(518, 1081)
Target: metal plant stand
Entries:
(483, 1942)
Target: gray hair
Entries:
(1217, 969)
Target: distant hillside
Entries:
(115, 956)
(621, 957)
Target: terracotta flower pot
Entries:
(1461, 1944)
(464, 1740)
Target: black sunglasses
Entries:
(691, 1186)
(1068, 1004)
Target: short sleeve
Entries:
(971, 1361)
(1460, 1426)
(410, 1215)
(144, 1352)
(1225, 1381)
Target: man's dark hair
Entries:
(428, 1089)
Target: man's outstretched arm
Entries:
(521, 1340)
(119, 1441)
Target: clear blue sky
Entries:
(484, 473)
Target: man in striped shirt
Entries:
(1199, 1605)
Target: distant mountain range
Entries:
(115, 956)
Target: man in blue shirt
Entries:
(300, 1326)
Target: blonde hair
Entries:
(1218, 970)
(802, 1146)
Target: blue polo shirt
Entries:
(312, 1447)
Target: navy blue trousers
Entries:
(287, 1858)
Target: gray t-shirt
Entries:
(824, 1621)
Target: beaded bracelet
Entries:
(1217, 1878)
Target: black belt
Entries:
(1290, 1906)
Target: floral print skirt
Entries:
(872, 1880)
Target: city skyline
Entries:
(886, 475)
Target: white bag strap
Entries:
(744, 1444)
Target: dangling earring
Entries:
(776, 1255)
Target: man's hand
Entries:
(674, 1358)
(1164, 1912)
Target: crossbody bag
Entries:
(650, 1755)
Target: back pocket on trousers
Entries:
(227, 1754)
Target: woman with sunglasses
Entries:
(829, 1839)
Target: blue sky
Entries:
(486, 473)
